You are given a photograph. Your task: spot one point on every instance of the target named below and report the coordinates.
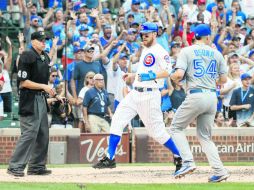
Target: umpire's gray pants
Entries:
(32, 145)
(203, 107)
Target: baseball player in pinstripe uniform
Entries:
(144, 99)
(202, 67)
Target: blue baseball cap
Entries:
(245, 76)
(148, 27)
(202, 30)
(83, 5)
(173, 43)
(134, 2)
(105, 11)
(122, 55)
(130, 15)
(106, 26)
(251, 53)
(134, 23)
(76, 6)
(76, 49)
(132, 31)
(34, 17)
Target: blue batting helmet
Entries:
(148, 27)
(202, 30)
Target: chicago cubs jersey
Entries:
(202, 65)
(155, 59)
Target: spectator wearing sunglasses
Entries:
(83, 67)
(88, 83)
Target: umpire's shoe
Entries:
(215, 179)
(16, 172)
(178, 163)
(39, 172)
(105, 163)
(186, 169)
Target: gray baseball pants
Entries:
(203, 107)
(32, 146)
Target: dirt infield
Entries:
(130, 174)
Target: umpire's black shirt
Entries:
(33, 67)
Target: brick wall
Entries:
(158, 153)
(9, 138)
(233, 146)
(8, 143)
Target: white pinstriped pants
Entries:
(148, 106)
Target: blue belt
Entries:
(140, 89)
(192, 91)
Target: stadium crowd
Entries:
(92, 43)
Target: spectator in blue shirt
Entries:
(236, 9)
(68, 75)
(82, 37)
(242, 101)
(164, 34)
(135, 11)
(131, 44)
(107, 35)
(96, 107)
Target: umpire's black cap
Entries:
(38, 35)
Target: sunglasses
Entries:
(176, 46)
(89, 77)
(41, 40)
(35, 20)
(90, 51)
(54, 75)
(144, 35)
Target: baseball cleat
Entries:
(15, 172)
(105, 163)
(178, 163)
(184, 170)
(215, 179)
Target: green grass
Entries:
(4, 166)
(208, 186)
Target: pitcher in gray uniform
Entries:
(202, 67)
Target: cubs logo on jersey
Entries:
(167, 58)
(149, 60)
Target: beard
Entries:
(220, 8)
(148, 43)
